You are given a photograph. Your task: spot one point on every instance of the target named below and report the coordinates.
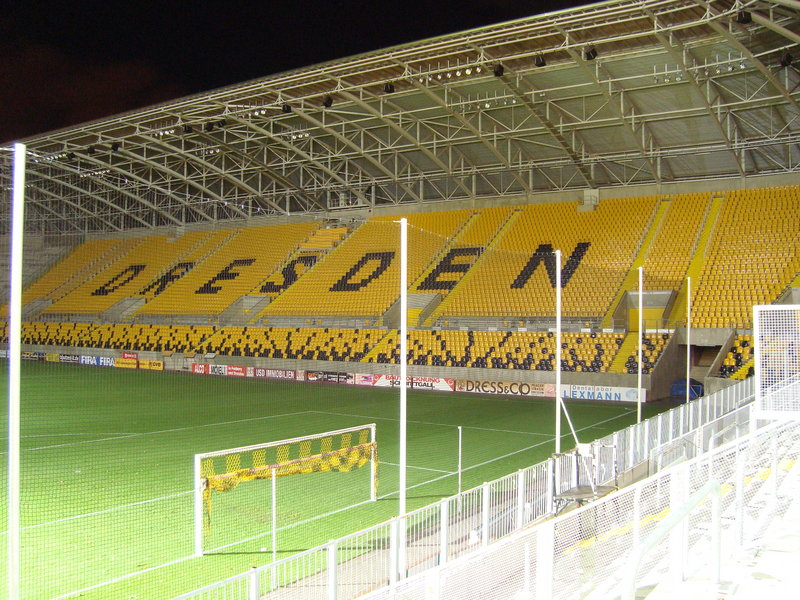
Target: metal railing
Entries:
(634, 538)
(678, 554)
(383, 556)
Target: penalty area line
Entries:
(121, 578)
(104, 511)
(475, 427)
(158, 432)
(383, 462)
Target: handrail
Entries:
(675, 518)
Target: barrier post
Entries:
(332, 563)
(444, 518)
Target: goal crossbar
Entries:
(224, 470)
(355, 457)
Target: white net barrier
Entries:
(777, 368)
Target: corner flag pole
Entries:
(403, 354)
(558, 351)
(14, 358)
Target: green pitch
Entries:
(107, 469)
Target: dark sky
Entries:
(67, 63)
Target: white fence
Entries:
(625, 540)
(384, 556)
(776, 333)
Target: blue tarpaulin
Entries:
(678, 389)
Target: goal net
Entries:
(237, 502)
(776, 332)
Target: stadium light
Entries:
(499, 70)
(590, 53)
(786, 60)
(327, 101)
(286, 109)
(388, 87)
(539, 61)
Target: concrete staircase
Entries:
(631, 281)
(678, 312)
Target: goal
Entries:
(236, 502)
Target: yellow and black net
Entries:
(316, 455)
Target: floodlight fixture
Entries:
(388, 88)
(286, 109)
(786, 60)
(590, 53)
(327, 101)
(539, 61)
(499, 70)
(743, 17)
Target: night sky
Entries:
(67, 63)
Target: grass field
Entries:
(107, 468)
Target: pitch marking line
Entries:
(104, 511)
(383, 462)
(144, 433)
(341, 414)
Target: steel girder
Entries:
(677, 90)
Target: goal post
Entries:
(231, 473)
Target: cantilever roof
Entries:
(611, 94)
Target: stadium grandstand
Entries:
(253, 232)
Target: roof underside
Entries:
(677, 90)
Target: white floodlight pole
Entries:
(558, 351)
(14, 345)
(641, 335)
(688, 334)
(403, 353)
